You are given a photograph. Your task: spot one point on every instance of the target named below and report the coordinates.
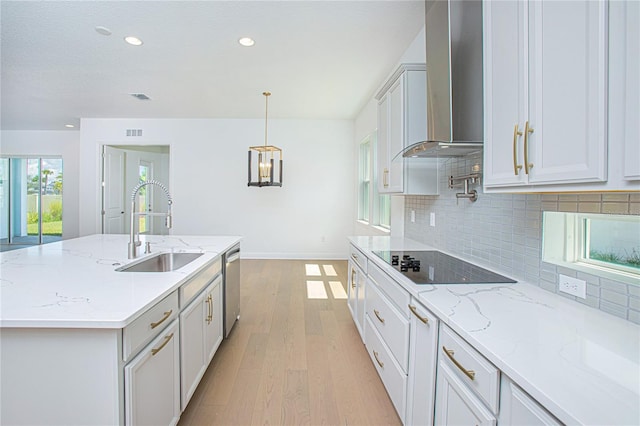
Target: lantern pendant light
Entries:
(269, 158)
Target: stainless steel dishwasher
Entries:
(231, 288)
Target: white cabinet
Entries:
(387, 334)
(630, 16)
(402, 121)
(357, 289)
(518, 408)
(200, 336)
(423, 348)
(152, 381)
(456, 404)
(468, 385)
(545, 77)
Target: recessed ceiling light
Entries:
(103, 30)
(246, 41)
(70, 126)
(134, 41)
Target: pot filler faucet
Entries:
(134, 238)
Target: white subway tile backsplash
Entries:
(504, 231)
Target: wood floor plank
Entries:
(295, 400)
(323, 409)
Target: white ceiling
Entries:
(320, 59)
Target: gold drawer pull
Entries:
(378, 315)
(516, 166)
(385, 175)
(166, 315)
(380, 363)
(354, 256)
(209, 309)
(469, 373)
(166, 340)
(353, 279)
(415, 312)
(527, 130)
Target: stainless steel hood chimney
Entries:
(454, 79)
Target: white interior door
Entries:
(113, 194)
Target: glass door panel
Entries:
(4, 200)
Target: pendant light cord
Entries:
(266, 114)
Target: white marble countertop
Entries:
(582, 364)
(73, 283)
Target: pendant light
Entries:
(267, 166)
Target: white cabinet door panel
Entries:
(567, 80)
(152, 382)
(457, 405)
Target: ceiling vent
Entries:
(134, 132)
(140, 96)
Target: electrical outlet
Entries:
(432, 219)
(413, 216)
(572, 286)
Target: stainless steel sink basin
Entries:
(161, 262)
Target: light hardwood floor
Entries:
(291, 360)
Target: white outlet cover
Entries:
(432, 219)
(572, 286)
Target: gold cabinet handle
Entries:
(166, 315)
(516, 167)
(469, 373)
(209, 313)
(415, 312)
(380, 363)
(166, 340)
(385, 175)
(527, 131)
(353, 279)
(354, 256)
(378, 315)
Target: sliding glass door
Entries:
(30, 201)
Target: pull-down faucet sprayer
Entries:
(134, 238)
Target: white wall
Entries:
(309, 217)
(64, 143)
(366, 123)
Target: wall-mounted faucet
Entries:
(134, 238)
(470, 194)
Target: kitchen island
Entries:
(75, 333)
(578, 364)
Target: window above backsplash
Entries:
(600, 244)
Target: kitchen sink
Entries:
(161, 262)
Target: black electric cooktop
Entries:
(434, 267)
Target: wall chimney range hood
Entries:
(454, 80)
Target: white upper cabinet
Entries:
(631, 16)
(545, 77)
(402, 121)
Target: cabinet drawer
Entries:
(474, 369)
(392, 326)
(359, 258)
(191, 288)
(394, 379)
(391, 289)
(148, 325)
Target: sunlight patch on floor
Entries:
(337, 290)
(316, 290)
(312, 270)
(329, 270)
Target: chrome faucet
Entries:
(134, 239)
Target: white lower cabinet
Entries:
(200, 336)
(423, 347)
(392, 375)
(518, 408)
(356, 289)
(456, 404)
(152, 381)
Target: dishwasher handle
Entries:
(233, 256)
